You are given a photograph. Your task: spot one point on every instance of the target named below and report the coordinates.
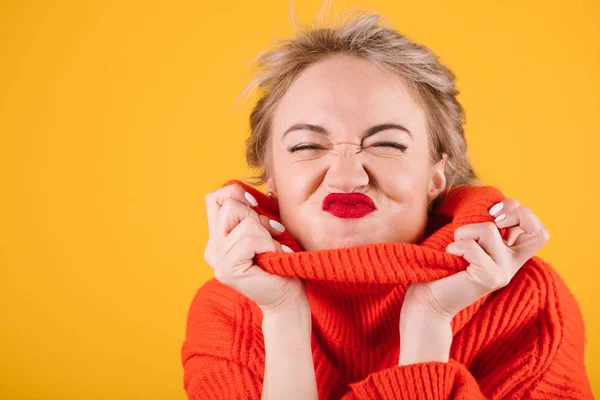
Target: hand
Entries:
(494, 261)
(235, 238)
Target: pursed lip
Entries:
(347, 199)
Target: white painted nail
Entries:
(496, 208)
(276, 225)
(286, 249)
(500, 217)
(251, 199)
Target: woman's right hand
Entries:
(234, 240)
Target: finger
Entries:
(274, 227)
(456, 292)
(215, 199)
(487, 235)
(510, 234)
(534, 234)
(503, 206)
(248, 227)
(230, 215)
(471, 251)
(233, 212)
(240, 258)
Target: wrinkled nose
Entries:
(346, 171)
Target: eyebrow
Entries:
(369, 132)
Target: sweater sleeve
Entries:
(220, 361)
(431, 380)
(211, 378)
(452, 380)
(543, 359)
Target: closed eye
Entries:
(379, 144)
(390, 144)
(305, 147)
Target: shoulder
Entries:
(554, 328)
(559, 311)
(537, 305)
(553, 298)
(217, 317)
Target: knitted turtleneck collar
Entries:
(383, 263)
(355, 293)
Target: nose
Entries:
(346, 172)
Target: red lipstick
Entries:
(348, 205)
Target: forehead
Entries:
(347, 92)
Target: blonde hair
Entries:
(360, 34)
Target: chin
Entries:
(344, 242)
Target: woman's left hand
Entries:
(429, 307)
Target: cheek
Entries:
(300, 175)
(395, 176)
(296, 183)
(403, 183)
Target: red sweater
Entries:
(525, 340)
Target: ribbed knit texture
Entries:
(525, 340)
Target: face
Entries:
(346, 126)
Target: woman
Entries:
(376, 266)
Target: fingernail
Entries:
(500, 218)
(251, 199)
(286, 249)
(276, 225)
(496, 208)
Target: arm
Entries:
(424, 335)
(222, 362)
(289, 370)
(210, 353)
(214, 378)
(289, 367)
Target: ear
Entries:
(271, 185)
(437, 181)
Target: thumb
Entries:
(453, 293)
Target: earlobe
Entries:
(438, 178)
(271, 186)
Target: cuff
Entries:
(430, 380)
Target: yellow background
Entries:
(116, 120)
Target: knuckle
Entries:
(253, 226)
(546, 235)
(526, 213)
(471, 244)
(228, 206)
(511, 203)
(211, 259)
(248, 241)
(219, 275)
(263, 220)
(458, 234)
(234, 190)
(489, 229)
(249, 225)
(207, 256)
(252, 214)
(209, 253)
(237, 188)
(499, 279)
(502, 279)
(525, 209)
